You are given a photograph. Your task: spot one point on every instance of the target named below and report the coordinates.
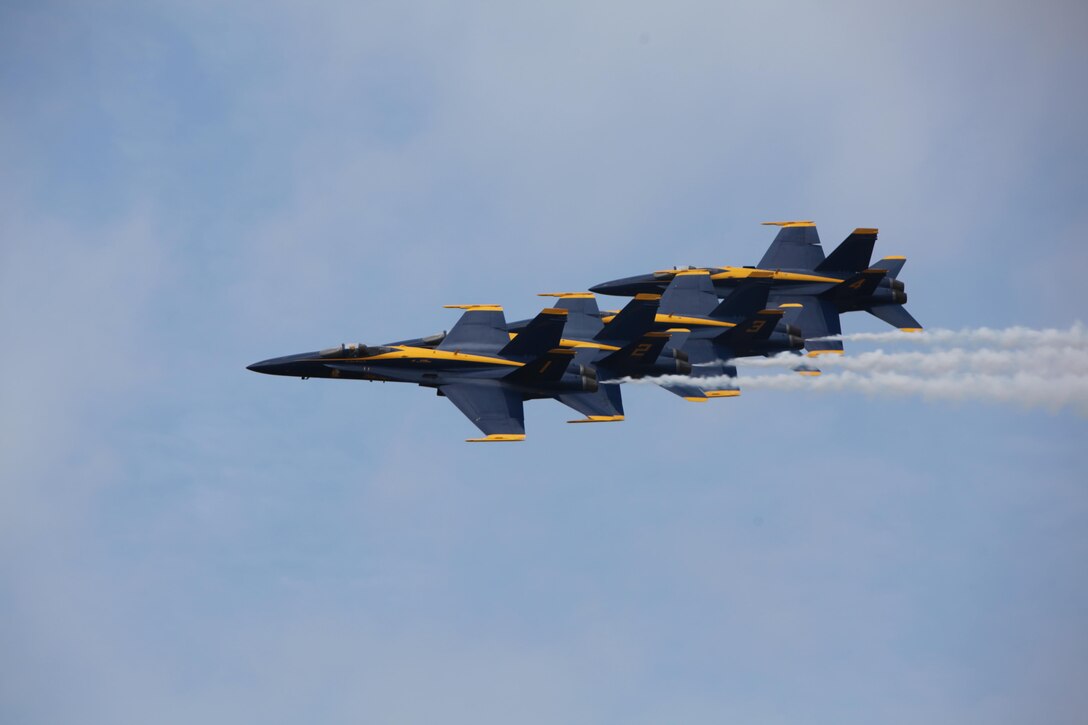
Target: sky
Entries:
(189, 187)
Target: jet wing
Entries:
(498, 412)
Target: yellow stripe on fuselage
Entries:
(685, 320)
(407, 352)
(681, 320)
(774, 274)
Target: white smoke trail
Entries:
(1034, 368)
(1054, 361)
(1075, 336)
(1028, 389)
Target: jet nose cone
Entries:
(260, 367)
(630, 286)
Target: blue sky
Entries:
(188, 188)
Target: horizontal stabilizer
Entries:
(603, 406)
(541, 334)
(896, 316)
(817, 318)
(852, 255)
(482, 328)
(687, 391)
(797, 246)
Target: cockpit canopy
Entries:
(672, 272)
(351, 349)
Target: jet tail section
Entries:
(894, 265)
(541, 334)
(583, 315)
(482, 328)
(605, 405)
(748, 299)
(817, 317)
(896, 316)
(643, 351)
(797, 246)
(690, 293)
(852, 255)
(756, 328)
(862, 284)
(632, 321)
(548, 368)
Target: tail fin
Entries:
(757, 327)
(745, 301)
(853, 254)
(635, 319)
(547, 368)
(797, 246)
(861, 284)
(894, 265)
(643, 351)
(482, 328)
(896, 316)
(689, 293)
(541, 334)
(583, 315)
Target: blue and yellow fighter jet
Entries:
(716, 333)
(628, 346)
(799, 273)
(487, 375)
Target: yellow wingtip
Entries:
(598, 419)
(498, 438)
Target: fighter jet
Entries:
(487, 375)
(740, 326)
(799, 274)
(627, 346)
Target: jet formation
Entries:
(681, 330)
